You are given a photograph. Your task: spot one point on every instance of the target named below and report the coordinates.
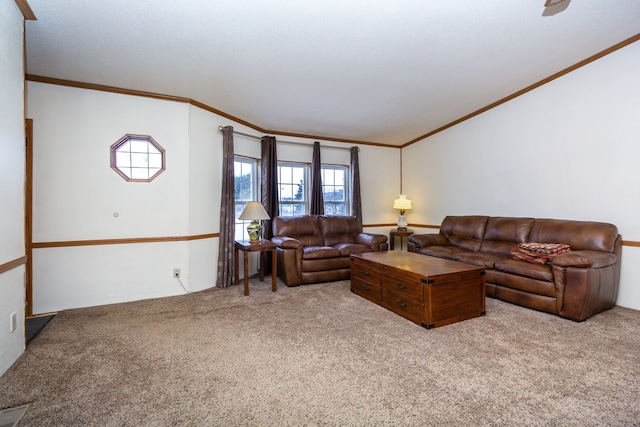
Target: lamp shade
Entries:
(253, 210)
(402, 203)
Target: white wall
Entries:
(76, 194)
(205, 186)
(12, 175)
(568, 149)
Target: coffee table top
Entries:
(423, 265)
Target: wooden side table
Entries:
(395, 232)
(261, 246)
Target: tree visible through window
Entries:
(246, 190)
(293, 182)
(335, 190)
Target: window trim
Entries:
(347, 188)
(127, 138)
(255, 165)
(306, 186)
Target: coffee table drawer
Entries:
(410, 287)
(399, 303)
(364, 270)
(366, 289)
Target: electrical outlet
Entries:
(176, 273)
(13, 322)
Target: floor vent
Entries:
(10, 417)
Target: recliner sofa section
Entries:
(317, 248)
(575, 285)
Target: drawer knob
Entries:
(366, 288)
(401, 286)
(365, 273)
(401, 304)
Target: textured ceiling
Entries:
(366, 70)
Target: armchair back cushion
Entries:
(304, 228)
(339, 229)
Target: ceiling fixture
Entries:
(551, 7)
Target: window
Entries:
(293, 187)
(246, 182)
(335, 191)
(137, 158)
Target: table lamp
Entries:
(402, 204)
(254, 211)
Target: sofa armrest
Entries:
(377, 242)
(419, 241)
(586, 283)
(284, 242)
(584, 259)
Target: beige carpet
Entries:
(319, 355)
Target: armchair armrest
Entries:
(377, 242)
(284, 242)
(584, 259)
(419, 241)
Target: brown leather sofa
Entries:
(317, 248)
(576, 284)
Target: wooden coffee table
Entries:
(426, 290)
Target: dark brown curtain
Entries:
(227, 213)
(356, 202)
(317, 201)
(269, 189)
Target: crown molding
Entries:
(24, 7)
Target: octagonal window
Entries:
(137, 158)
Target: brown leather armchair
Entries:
(317, 248)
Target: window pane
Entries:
(292, 188)
(286, 210)
(245, 180)
(139, 173)
(124, 148)
(137, 157)
(334, 189)
(139, 146)
(246, 189)
(155, 160)
(139, 160)
(327, 177)
(123, 160)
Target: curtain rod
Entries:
(220, 128)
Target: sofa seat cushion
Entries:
(320, 252)
(482, 259)
(442, 251)
(326, 264)
(526, 269)
(347, 249)
(526, 286)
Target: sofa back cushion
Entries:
(502, 234)
(304, 228)
(579, 235)
(464, 231)
(339, 229)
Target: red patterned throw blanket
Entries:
(539, 253)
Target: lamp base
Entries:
(402, 223)
(255, 231)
